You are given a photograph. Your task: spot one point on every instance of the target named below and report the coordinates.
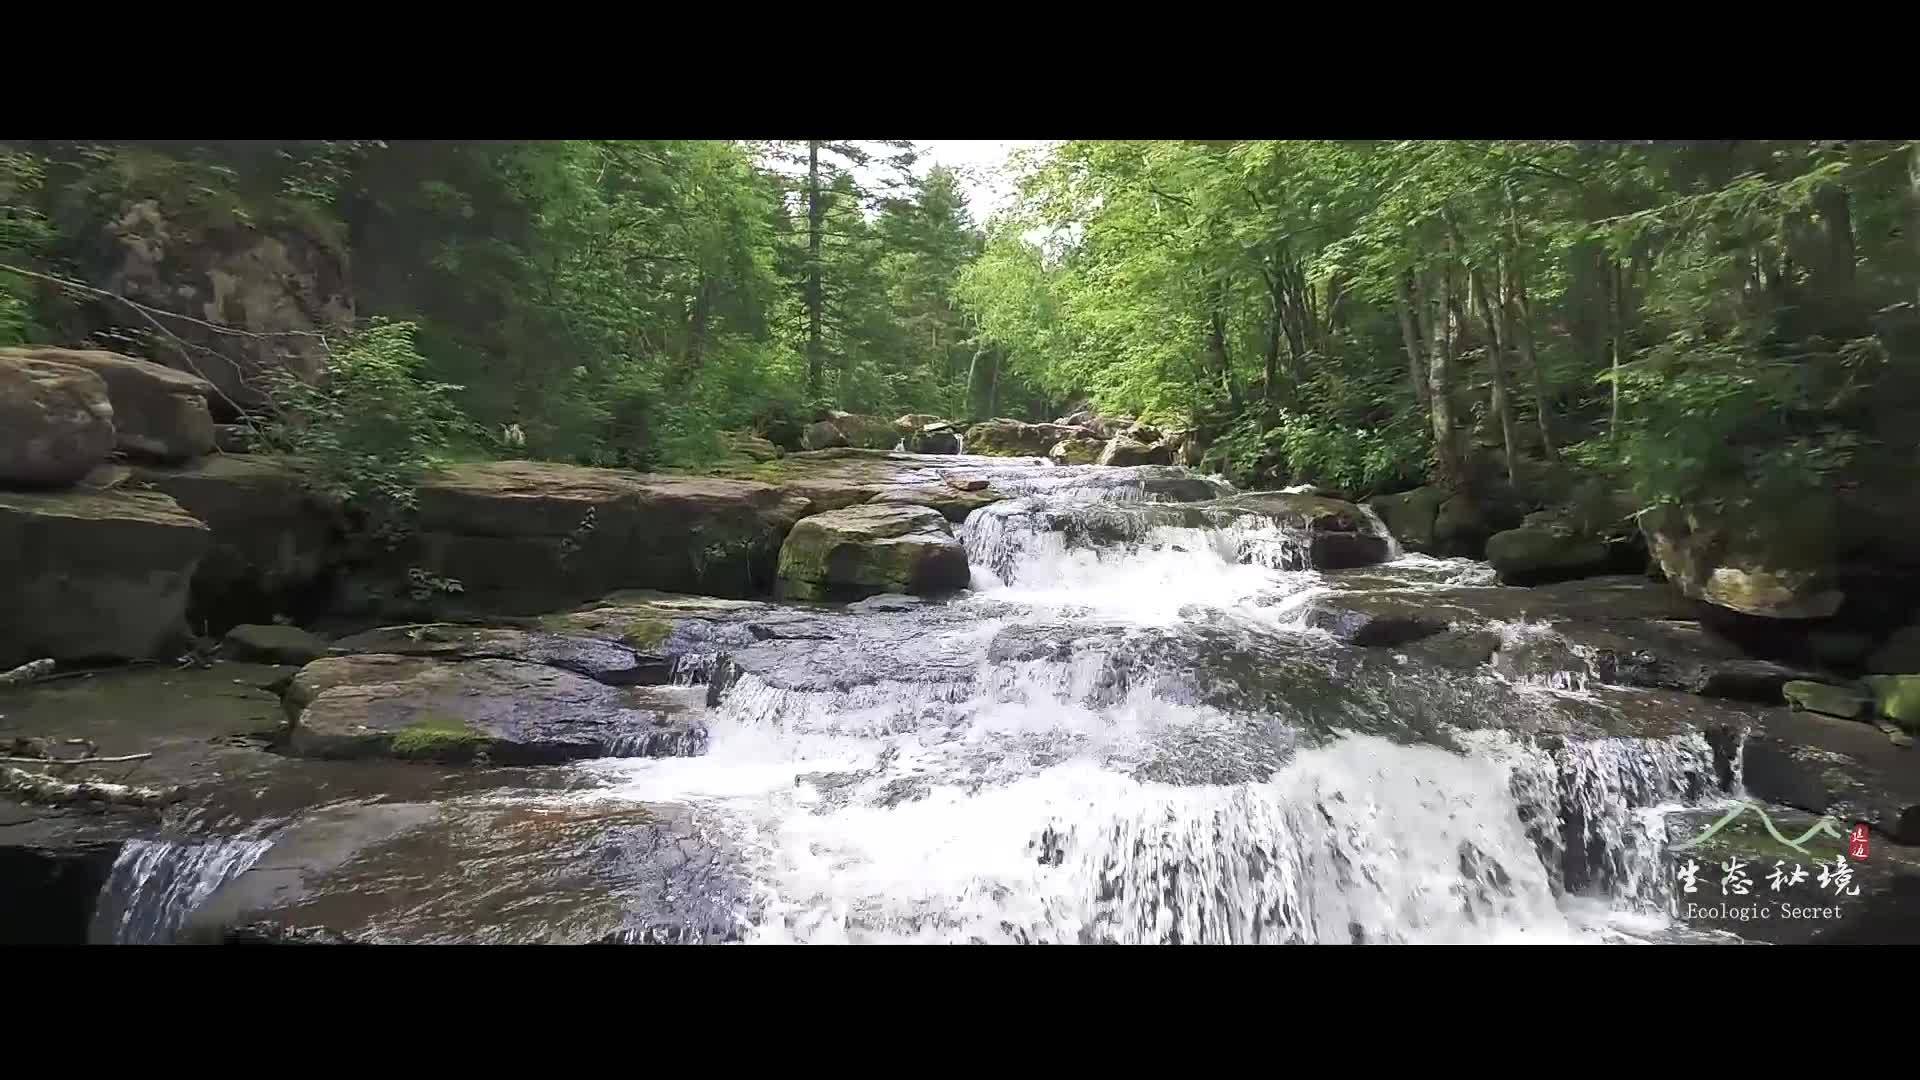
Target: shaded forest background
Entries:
(1705, 322)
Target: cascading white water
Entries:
(1055, 797)
(156, 884)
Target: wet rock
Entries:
(56, 422)
(954, 504)
(1532, 555)
(273, 538)
(885, 602)
(269, 644)
(485, 871)
(523, 536)
(1826, 765)
(964, 483)
(1123, 449)
(1338, 534)
(1900, 653)
(420, 708)
(1432, 521)
(94, 575)
(1014, 438)
(157, 412)
(872, 549)
(1897, 698)
(1776, 569)
(1824, 699)
(1873, 903)
(604, 661)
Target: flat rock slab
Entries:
(1827, 765)
(603, 661)
(273, 644)
(484, 871)
(511, 712)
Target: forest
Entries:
(1684, 322)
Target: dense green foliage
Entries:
(1291, 298)
(615, 303)
(1716, 321)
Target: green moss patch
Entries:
(440, 737)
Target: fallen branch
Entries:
(26, 672)
(75, 761)
(36, 787)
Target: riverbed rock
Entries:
(1076, 450)
(531, 537)
(274, 538)
(273, 644)
(865, 550)
(56, 422)
(574, 872)
(1824, 698)
(820, 435)
(1015, 438)
(954, 504)
(1531, 555)
(1338, 534)
(937, 437)
(1776, 568)
(1844, 648)
(421, 708)
(1826, 765)
(751, 447)
(1125, 449)
(94, 575)
(636, 660)
(1432, 521)
(1897, 697)
(158, 412)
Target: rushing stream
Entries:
(1040, 761)
(1123, 732)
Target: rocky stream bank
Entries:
(1054, 688)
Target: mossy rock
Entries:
(439, 737)
(1825, 699)
(1898, 699)
(866, 550)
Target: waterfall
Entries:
(156, 884)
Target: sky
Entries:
(979, 163)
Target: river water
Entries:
(1123, 733)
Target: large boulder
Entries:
(838, 428)
(1124, 449)
(56, 422)
(1015, 438)
(1076, 450)
(867, 550)
(268, 643)
(274, 540)
(1533, 554)
(1898, 699)
(421, 708)
(822, 435)
(158, 412)
(533, 537)
(1433, 521)
(1337, 534)
(934, 437)
(94, 575)
(1778, 569)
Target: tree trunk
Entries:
(815, 212)
(1836, 214)
(1616, 326)
(1440, 367)
(1493, 315)
(1273, 344)
(1522, 325)
(1217, 344)
(1411, 333)
(982, 374)
(1913, 204)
